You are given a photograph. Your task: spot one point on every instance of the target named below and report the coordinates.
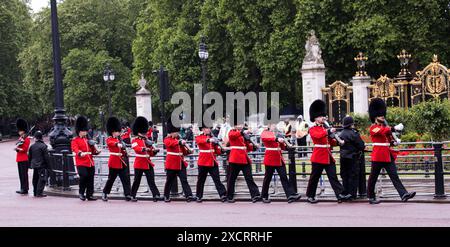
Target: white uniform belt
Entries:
(115, 154)
(273, 149)
(206, 151)
(177, 154)
(321, 146)
(238, 147)
(142, 155)
(381, 144)
(87, 152)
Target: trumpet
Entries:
(333, 135)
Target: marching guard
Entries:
(126, 133)
(22, 146)
(383, 156)
(118, 160)
(321, 158)
(273, 160)
(144, 149)
(83, 149)
(207, 163)
(175, 164)
(240, 145)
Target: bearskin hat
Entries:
(317, 109)
(113, 125)
(21, 125)
(377, 108)
(81, 124)
(170, 127)
(140, 125)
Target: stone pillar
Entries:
(143, 100)
(360, 94)
(313, 74)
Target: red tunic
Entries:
(142, 160)
(175, 153)
(381, 137)
(22, 150)
(272, 155)
(116, 154)
(322, 145)
(239, 148)
(80, 145)
(208, 151)
(150, 133)
(126, 134)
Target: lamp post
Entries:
(404, 58)
(108, 76)
(203, 55)
(361, 64)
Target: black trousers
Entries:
(302, 142)
(150, 176)
(171, 176)
(391, 170)
(39, 180)
(203, 173)
(234, 171)
(281, 170)
(86, 180)
(349, 175)
(362, 184)
(316, 172)
(23, 167)
(124, 176)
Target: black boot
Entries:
(312, 200)
(373, 201)
(408, 196)
(82, 197)
(223, 198)
(166, 199)
(231, 200)
(199, 200)
(128, 198)
(157, 198)
(294, 198)
(256, 199)
(104, 197)
(41, 195)
(266, 200)
(191, 198)
(91, 198)
(134, 199)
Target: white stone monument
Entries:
(143, 100)
(313, 73)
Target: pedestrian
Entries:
(40, 162)
(383, 156)
(301, 135)
(274, 161)
(350, 153)
(321, 158)
(83, 149)
(143, 147)
(118, 160)
(175, 164)
(22, 146)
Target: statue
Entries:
(313, 51)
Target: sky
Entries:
(36, 5)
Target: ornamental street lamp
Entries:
(404, 58)
(108, 76)
(203, 55)
(361, 64)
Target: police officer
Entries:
(273, 160)
(83, 149)
(22, 146)
(118, 160)
(350, 153)
(207, 163)
(321, 158)
(40, 162)
(383, 156)
(175, 164)
(144, 149)
(240, 144)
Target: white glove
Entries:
(399, 127)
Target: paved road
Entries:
(17, 210)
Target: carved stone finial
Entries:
(313, 51)
(142, 81)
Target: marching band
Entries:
(236, 145)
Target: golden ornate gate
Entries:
(392, 92)
(339, 99)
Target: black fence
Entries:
(425, 162)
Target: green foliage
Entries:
(362, 122)
(433, 117)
